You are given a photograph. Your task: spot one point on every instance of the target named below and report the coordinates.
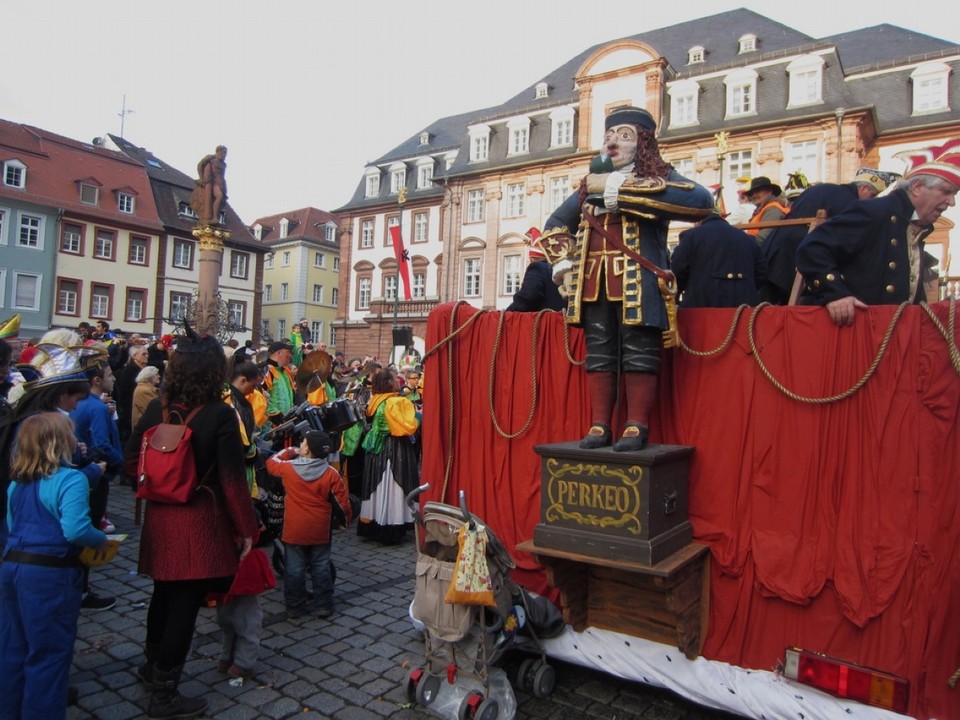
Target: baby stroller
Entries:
(464, 640)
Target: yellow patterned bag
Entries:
(471, 584)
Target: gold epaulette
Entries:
(558, 244)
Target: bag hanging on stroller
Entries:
(461, 559)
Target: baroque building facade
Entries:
(736, 95)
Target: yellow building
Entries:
(301, 274)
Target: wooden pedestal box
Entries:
(666, 603)
(618, 506)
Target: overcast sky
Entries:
(305, 92)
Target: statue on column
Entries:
(211, 191)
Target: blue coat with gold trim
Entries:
(863, 251)
(645, 208)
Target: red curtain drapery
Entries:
(832, 526)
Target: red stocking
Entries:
(641, 394)
(603, 391)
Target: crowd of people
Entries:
(74, 408)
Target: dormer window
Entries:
(748, 43)
(424, 138)
(330, 232)
(284, 227)
(561, 127)
(126, 202)
(89, 193)
(258, 231)
(479, 142)
(398, 178)
(373, 183)
(541, 91)
(424, 173)
(695, 55)
(741, 92)
(519, 136)
(930, 87)
(184, 210)
(684, 96)
(14, 174)
(806, 80)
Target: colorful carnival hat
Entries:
(871, 179)
(533, 243)
(53, 364)
(942, 161)
(10, 328)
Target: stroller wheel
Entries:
(427, 689)
(487, 710)
(469, 706)
(412, 682)
(544, 680)
(525, 675)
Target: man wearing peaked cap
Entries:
(780, 248)
(872, 252)
(537, 291)
(608, 246)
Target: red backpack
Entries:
(167, 472)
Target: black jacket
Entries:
(537, 291)
(861, 252)
(718, 265)
(780, 248)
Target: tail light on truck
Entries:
(847, 680)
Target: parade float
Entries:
(793, 522)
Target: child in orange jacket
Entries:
(315, 492)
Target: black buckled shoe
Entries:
(599, 435)
(634, 438)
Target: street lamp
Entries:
(722, 148)
(838, 114)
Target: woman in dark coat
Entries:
(192, 549)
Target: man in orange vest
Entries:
(764, 195)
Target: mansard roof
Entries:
(844, 54)
(885, 45)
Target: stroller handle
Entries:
(412, 496)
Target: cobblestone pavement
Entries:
(353, 666)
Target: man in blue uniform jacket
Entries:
(780, 249)
(537, 291)
(718, 265)
(872, 252)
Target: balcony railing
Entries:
(950, 287)
(405, 308)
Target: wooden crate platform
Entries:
(665, 602)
